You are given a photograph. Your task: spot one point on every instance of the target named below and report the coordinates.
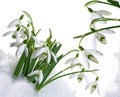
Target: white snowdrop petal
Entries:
(29, 33)
(98, 89)
(107, 31)
(95, 52)
(48, 55)
(13, 23)
(38, 52)
(34, 72)
(86, 78)
(40, 43)
(89, 85)
(104, 12)
(18, 39)
(20, 50)
(85, 59)
(96, 15)
(69, 60)
(94, 42)
(40, 77)
(54, 57)
(14, 44)
(8, 33)
(75, 61)
(26, 51)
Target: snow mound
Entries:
(10, 87)
(116, 93)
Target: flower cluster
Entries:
(97, 16)
(38, 58)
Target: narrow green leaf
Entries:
(113, 2)
(19, 65)
(38, 32)
(28, 15)
(31, 65)
(25, 68)
(27, 60)
(56, 48)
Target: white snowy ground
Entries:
(21, 88)
(116, 93)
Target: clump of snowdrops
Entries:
(38, 58)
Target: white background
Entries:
(66, 18)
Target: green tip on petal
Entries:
(93, 88)
(92, 58)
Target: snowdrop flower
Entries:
(20, 45)
(38, 42)
(82, 76)
(38, 75)
(88, 55)
(15, 22)
(74, 61)
(100, 14)
(93, 85)
(19, 30)
(100, 37)
(44, 50)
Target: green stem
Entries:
(103, 19)
(63, 70)
(94, 2)
(111, 27)
(86, 34)
(74, 50)
(55, 78)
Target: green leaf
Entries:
(19, 65)
(91, 2)
(27, 59)
(80, 36)
(56, 48)
(31, 65)
(28, 15)
(50, 36)
(38, 32)
(113, 2)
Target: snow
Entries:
(116, 93)
(10, 87)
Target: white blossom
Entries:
(101, 37)
(93, 86)
(21, 47)
(14, 23)
(44, 50)
(74, 64)
(38, 75)
(38, 42)
(88, 54)
(100, 14)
